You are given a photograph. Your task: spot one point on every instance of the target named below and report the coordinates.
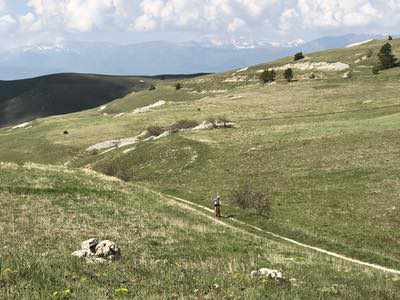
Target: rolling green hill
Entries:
(323, 147)
(168, 250)
(25, 100)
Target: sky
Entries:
(133, 21)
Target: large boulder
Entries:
(98, 252)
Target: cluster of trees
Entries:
(269, 75)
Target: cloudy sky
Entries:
(127, 21)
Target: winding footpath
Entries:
(195, 207)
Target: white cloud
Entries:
(82, 15)
(258, 18)
(29, 23)
(335, 13)
(236, 24)
(7, 23)
(222, 15)
(2, 5)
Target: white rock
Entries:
(82, 253)
(98, 252)
(129, 150)
(359, 44)
(23, 125)
(107, 249)
(269, 273)
(89, 244)
(149, 107)
(321, 66)
(119, 115)
(243, 70)
(204, 126)
(114, 143)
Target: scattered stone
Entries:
(206, 125)
(98, 252)
(154, 138)
(119, 115)
(268, 273)
(359, 43)
(242, 70)
(23, 125)
(129, 150)
(149, 107)
(308, 66)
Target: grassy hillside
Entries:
(168, 251)
(25, 100)
(325, 150)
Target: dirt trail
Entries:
(181, 201)
(205, 212)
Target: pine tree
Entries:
(288, 74)
(298, 56)
(178, 86)
(268, 76)
(386, 58)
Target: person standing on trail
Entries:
(216, 201)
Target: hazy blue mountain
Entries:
(154, 57)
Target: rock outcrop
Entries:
(95, 251)
(267, 273)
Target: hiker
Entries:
(216, 201)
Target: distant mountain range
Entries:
(207, 55)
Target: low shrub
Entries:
(155, 130)
(182, 124)
(117, 170)
(178, 86)
(268, 76)
(152, 87)
(246, 197)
